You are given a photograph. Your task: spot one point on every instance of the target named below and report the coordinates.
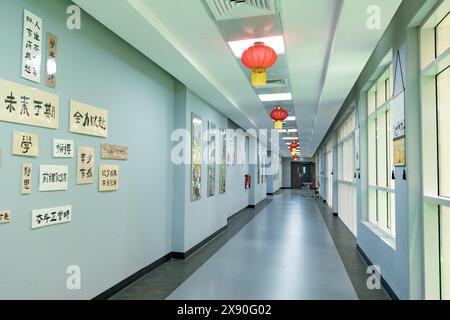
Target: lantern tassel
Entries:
(278, 124)
(259, 77)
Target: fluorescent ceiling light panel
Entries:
(276, 43)
(291, 118)
(292, 130)
(290, 138)
(275, 97)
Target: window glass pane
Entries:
(445, 252)
(372, 152)
(443, 100)
(373, 206)
(443, 35)
(381, 91)
(381, 149)
(371, 100)
(382, 210)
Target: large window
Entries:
(346, 173)
(435, 81)
(380, 154)
(329, 172)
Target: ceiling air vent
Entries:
(239, 9)
(276, 83)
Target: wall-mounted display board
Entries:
(50, 216)
(222, 167)
(53, 178)
(85, 165)
(89, 120)
(196, 157)
(25, 144)
(5, 216)
(31, 47)
(211, 159)
(27, 170)
(113, 152)
(108, 178)
(21, 104)
(52, 46)
(398, 107)
(63, 148)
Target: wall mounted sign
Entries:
(196, 157)
(53, 178)
(114, 152)
(86, 119)
(5, 216)
(31, 47)
(21, 104)
(399, 152)
(63, 148)
(50, 216)
(211, 159)
(26, 178)
(108, 178)
(85, 165)
(52, 46)
(25, 144)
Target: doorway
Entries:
(301, 173)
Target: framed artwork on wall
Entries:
(211, 159)
(196, 156)
(222, 169)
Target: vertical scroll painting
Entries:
(222, 170)
(31, 47)
(211, 159)
(52, 45)
(196, 157)
(26, 178)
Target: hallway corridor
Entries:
(280, 250)
(286, 252)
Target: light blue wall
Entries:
(112, 235)
(196, 220)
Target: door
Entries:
(296, 175)
(306, 173)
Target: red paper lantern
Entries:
(296, 157)
(279, 115)
(294, 145)
(259, 57)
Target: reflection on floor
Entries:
(280, 250)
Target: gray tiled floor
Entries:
(286, 252)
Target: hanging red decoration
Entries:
(259, 58)
(296, 157)
(294, 145)
(279, 115)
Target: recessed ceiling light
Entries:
(275, 97)
(276, 43)
(292, 130)
(291, 118)
(290, 138)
